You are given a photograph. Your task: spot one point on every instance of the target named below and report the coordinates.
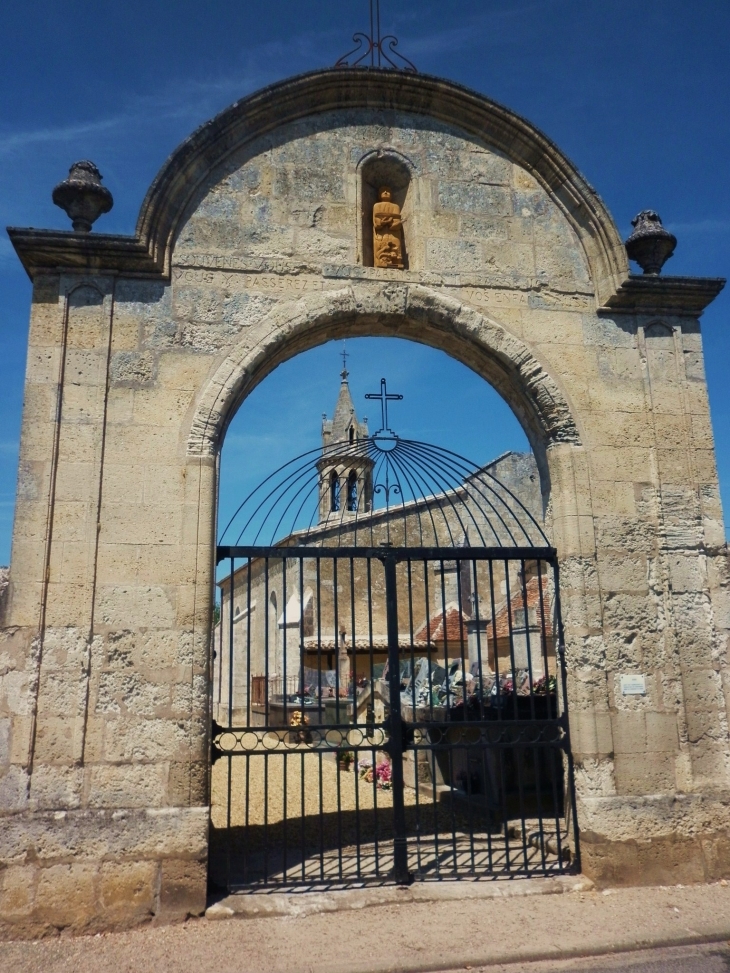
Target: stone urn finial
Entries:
(650, 245)
(83, 196)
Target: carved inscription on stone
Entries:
(241, 280)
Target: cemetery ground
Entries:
(509, 926)
(343, 821)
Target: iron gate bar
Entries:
(396, 729)
(547, 554)
(424, 477)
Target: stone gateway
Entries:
(254, 243)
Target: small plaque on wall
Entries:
(633, 685)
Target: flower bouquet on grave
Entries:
(379, 773)
(545, 686)
(300, 732)
(365, 770)
(383, 775)
(345, 758)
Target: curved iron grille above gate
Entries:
(408, 494)
(389, 677)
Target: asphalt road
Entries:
(684, 959)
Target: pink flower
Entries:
(383, 772)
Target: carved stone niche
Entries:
(383, 168)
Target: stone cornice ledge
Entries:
(686, 296)
(51, 251)
(54, 251)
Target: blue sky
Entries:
(444, 403)
(637, 94)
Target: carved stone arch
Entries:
(189, 168)
(388, 151)
(78, 285)
(414, 312)
(79, 294)
(134, 372)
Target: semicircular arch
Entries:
(414, 312)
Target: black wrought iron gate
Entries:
(389, 713)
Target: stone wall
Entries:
(141, 349)
(4, 585)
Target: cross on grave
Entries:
(385, 396)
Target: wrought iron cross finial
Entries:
(345, 356)
(373, 46)
(385, 396)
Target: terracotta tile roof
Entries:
(533, 602)
(455, 627)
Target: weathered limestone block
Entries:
(92, 870)
(66, 895)
(127, 891)
(658, 839)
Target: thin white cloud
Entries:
(701, 226)
(20, 141)
(472, 33)
(184, 98)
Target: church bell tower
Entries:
(345, 468)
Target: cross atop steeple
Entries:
(385, 396)
(344, 425)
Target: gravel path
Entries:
(338, 827)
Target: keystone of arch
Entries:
(408, 311)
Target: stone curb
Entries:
(297, 905)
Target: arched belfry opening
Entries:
(345, 475)
(385, 169)
(334, 492)
(352, 492)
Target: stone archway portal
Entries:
(250, 247)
